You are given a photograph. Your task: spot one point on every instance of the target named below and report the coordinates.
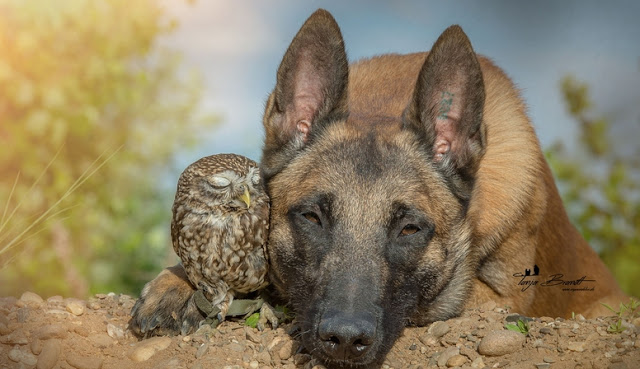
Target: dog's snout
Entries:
(346, 336)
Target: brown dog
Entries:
(404, 188)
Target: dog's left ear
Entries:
(310, 92)
(446, 109)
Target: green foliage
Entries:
(522, 327)
(600, 185)
(627, 312)
(252, 320)
(80, 81)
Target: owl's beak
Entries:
(245, 197)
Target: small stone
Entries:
(576, 346)
(546, 319)
(83, 362)
(468, 352)
(274, 343)
(202, 350)
(55, 300)
(22, 356)
(4, 330)
(287, 350)
(115, 332)
(94, 306)
(254, 364)
(549, 360)
(31, 298)
(17, 337)
(186, 339)
(477, 363)
(52, 331)
(264, 357)
(49, 356)
(82, 331)
(23, 314)
(545, 330)
(101, 296)
(36, 346)
(580, 318)
(543, 365)
(144, 350)
(438, 329)
(457, 360)
(447, 354)
(236, 347)
(252, 336)
(498, 343)
(75, 307)
(101, 340)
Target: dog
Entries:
(403, 189)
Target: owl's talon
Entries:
(270, 315)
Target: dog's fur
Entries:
(404, 188)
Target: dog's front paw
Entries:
(166, 306)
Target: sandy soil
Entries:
(69, 333)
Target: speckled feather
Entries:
(220, 240)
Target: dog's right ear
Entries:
(310, 92)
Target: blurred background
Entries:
(103, 103)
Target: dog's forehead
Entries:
(365, 172)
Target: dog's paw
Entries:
(166, 306)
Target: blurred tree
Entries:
(86, 93)
(600, 186)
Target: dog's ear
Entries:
(310, 92)
(446, 109)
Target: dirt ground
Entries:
(69, 333)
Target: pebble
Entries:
(287, 350)
(264, 357)
(17, 337)
(576, 346)
(447, 354)
(457, 360)
(94, 306)
(438, 329)
(549, 360)
(36, 346)
(115, 332)
(83, 362)
(21, 356)
(202, 350)
(55, 300)
(23, 314)
(52, 331)
(31, 298)
(254, 364)
(252, 336)
(49, 356)
(477, 363)
(236, 347)
(144, 350)
(545, 330)
(543, 365)
(101, 340)
(75, 307)
(498, 343)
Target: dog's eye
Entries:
(409, 229)
(312, 217)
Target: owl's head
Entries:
(224, 180)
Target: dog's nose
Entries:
(346, 336)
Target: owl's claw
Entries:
(270, 315)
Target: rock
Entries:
(31, 298)
(580, 318)
(149, 347)
(470, 353)
(82, 331)
(543, 365)
(55, 300)
(438, 329)
(101, 340)
(457, 360)
(545, 330)
(22, 356)
(202, 350)
(36, 346)
(52, 331)
(236, 347)
(252, 336)
(287, 350)
(83, 362)
(447, 354)
(254, 364)
(50, 353)
(4, 330)
(477, 363)
(549, 360)
(264, 357)
(75, 307)
(498, 343)
(17, 337)
(115, 332)
(576, 346)
(23, 314)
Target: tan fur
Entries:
(518, 217)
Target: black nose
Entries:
(346, 336)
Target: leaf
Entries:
(512, 327)
(252, 320)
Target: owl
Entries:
(220, 226)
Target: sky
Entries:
(238, 45)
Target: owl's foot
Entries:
(270, 315)
(166, 306)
